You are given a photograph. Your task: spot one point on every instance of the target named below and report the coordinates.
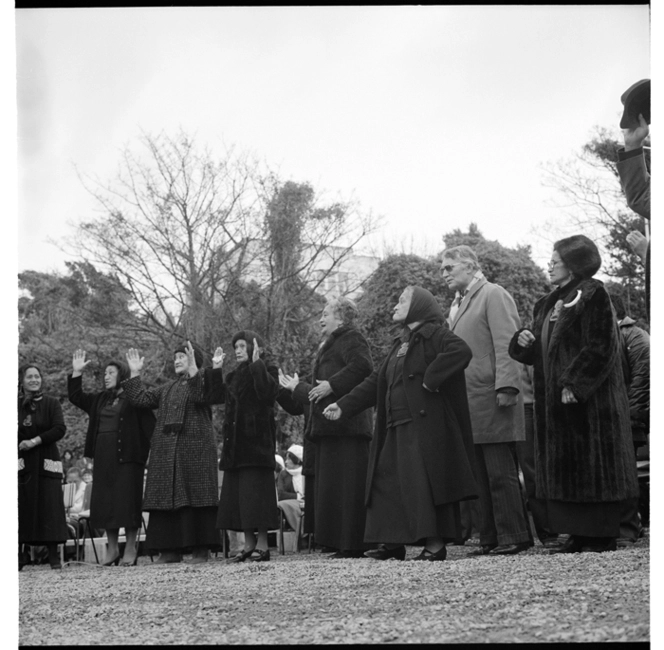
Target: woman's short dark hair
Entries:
(122, 368)
(344, 309)
(579, 254)
(24, 368)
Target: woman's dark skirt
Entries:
(308, 525)
(182, 529)
(584, 519)
(401, 509)
(41, 510)
(117, 489)
(248, 500)
(340, 481)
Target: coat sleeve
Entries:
(76, 395)
(362, 397)
(214, 386)
(357, 361)
(266, 380)
(521, 354)
(57, 428)
(287, 402)
(454, 355)
(635, 181)
(503, 320)
(599, 351)
(139, 395)
(283, 486)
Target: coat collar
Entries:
(468, 299)
(425, 330)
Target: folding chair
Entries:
(85, 522)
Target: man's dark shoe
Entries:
(485, 549)
(347, 555)
(384, 553)
(572, 545)
(511, 549)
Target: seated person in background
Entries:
(87, 476)
(76, 510)
(290, 486)
(279, 465)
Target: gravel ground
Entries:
(309, 598)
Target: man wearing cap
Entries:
(484, 315)
(632, 169)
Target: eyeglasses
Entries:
(448, 267)
(553, 263)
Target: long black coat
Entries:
(435, 357)
(583, 451)
(249, 430)
(297, 403)
(134, 431)
(344, 360)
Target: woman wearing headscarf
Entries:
(182, 484)
(118, 439)
(421, 464)
(583, 449)
(41, 511)
(248, 500)
(342, 447)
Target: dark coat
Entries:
(435, 357)
(135, 429)
(297, 403)
(249, 430)
(583, 452)
(285, 489)
(41, 514)
(636, 366)
(344, 360)
(183, 465)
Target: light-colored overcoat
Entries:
(486, 320)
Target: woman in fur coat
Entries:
(583, 449)
(248, 500)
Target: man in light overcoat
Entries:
(484, 315)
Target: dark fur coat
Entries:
(583, 451)
(249, 431)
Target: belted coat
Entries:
(182, 465)
(583, 451)
(435, 357)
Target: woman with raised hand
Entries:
(41, 510)
(181, 488)
(118, 438)
(421, 463)
(248, 500)
(584, 460)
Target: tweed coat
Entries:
(437, 358)
(344, 360)
(134, 431)
(249, 430)
(583, 451)
(486, 320)
(182, 466)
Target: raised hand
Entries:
(288, 381)
(634, 138)
(319, 392)
(78, 362)
(192, 369)
(638, 242)
(526, 339)
(332, 412)
(218, 358)
(135, 362)
(256, 354)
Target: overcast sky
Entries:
(430, 116)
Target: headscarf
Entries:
(248, 336)
(29, 398)
(424, 308)
(123, 374)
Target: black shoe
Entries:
(599, 546)
(427, 555)
(384, 553)
(485, 549)
(241, 557)
(511, 549)
(115, 560)
(572, 545)
(263, 556)
(347, 555)
(551, 542)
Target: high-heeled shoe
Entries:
(115, 561)
(241, 557)
(427, 555)
(263, 556)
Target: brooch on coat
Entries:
(28, 420)
(402, 350)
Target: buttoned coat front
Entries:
(182, 466)
(435, 358)
(486, 320)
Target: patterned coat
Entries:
(583, 451)
(182, 465)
